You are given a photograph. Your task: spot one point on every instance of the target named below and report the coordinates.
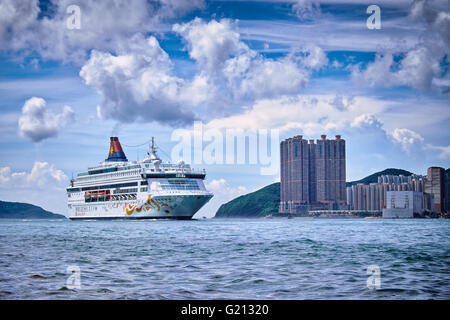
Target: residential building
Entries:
(435, 186)
(312, 174)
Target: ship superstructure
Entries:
(146, 189)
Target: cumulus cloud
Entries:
(138, 83)
(42, 175)
(421, 64)
(315, 57)
(224, 192)
(18, 20)
(410, 140)
(436, 15)
(224, 59)
(236, 72)
(212, 43)
(222, 186)
(104, 25)
(311, 114)
(260, 78)
(44, 185)
(417, 69)
(38, 123)
(366, 121)
(406, 138)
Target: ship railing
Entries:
(178, 192)
(173, 170)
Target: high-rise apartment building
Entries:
(373, 196)
(447, 191)
(435, 186)
(312, 174)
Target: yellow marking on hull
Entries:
(149, 204)
(156, 204)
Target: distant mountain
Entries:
(374, 177)
(19, 210)
(266, 201)
(260, 203)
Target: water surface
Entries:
(225, 259)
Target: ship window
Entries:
(130, 184)
(180, 184)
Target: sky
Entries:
(73, 73)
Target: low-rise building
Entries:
(403, 204)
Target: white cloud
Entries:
(315, 58)
(417, 69)
(366, 121)
(105, 25)
(259, 78)
(418, 66)
(223, 192)
(212, 43)
(444, 151)
(237, 73)
(38, 123)
(412, 141)
(306, 9)
(137, 84)
(435, 14)
(43, 185)
(18, 20)
(221, 185)
(407, 138)
(311, 114)
(42, 175)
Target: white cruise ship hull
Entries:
(147, 189)
(178, 206)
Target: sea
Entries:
(225, 259)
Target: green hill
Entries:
(18, 210)
(260, 203)
(374, 177)
(266, 201)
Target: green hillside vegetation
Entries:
(18, 210)
(266, 201)
(260, 203)
(374, 177)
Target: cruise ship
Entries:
(146, 189)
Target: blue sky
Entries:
(138, 69)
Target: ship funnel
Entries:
(115, 151)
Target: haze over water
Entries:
(225, 259)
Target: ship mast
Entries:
(153, 155)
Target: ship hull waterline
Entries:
(172, 207)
